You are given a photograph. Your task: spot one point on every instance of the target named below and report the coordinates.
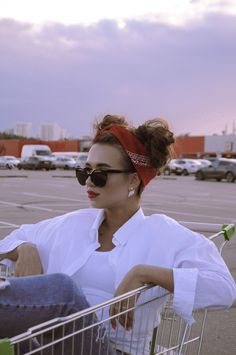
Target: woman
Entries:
(114, 240)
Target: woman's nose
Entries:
(89, 182)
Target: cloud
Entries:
(70, 74)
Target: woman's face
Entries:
(115, 193)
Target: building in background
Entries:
(185, 146)
(223, 143)
(23, 129)
(52, 132)
(85, 143)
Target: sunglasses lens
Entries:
(99, 178)
(82, 176)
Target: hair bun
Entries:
(109, 120)
(157, 138)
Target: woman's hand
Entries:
(138, 276)
(130, 282)
(28, 261)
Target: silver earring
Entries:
(131, 192)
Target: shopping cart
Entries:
(91, 331)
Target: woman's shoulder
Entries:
(161, 220)
(83, 216)
(169, 227)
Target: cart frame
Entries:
(172, 335)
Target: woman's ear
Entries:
(134, 180)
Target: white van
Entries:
(36, 150)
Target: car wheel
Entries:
(185, 172)
(19, 167)
(218, 179)
(199, 175)
(230, 177)
(166, 171)
(9, 166)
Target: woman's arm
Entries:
(11, 255)
(156, 275)
(141, 274)
(26, 258)
(138, 276)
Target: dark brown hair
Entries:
(154, 134)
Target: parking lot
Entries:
(30, 196)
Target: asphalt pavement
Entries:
(31, 196)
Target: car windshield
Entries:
(43, 152)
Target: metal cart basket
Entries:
(92, 330)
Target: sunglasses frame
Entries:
(103, 172)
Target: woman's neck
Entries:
(115, 218)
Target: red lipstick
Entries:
(92, 194)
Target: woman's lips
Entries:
(92, 194)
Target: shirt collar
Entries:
(122, 235)
(96, 224)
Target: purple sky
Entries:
(72, 74)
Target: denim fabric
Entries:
(35, 299)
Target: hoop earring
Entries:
(131, 192)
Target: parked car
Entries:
(189, 166)
(81, 159)
(4, 164)
(10, 159)
(64, 162)
(172, 168)
(204, 162)
(36, 163)
(222, 168)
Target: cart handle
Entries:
(6, 347)
(228, 230)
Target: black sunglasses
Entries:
(98, 177)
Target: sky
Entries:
(73, 61)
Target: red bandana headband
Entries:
(135, 150)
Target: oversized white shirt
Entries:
(201, 278)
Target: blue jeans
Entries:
(32, 300)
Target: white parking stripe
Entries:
(8, 224)
(31, 206)
(52, 196)
(7, 227)
(170, 197)
(157, 210)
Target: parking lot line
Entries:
(158, 210)
(8, 225)
(52, 196)
(31, 206)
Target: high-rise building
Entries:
(51, 131)
(23, 129)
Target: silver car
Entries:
(64, 162)
(220, 169)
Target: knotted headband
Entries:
(135, 150)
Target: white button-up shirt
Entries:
(201, 278)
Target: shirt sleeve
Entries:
(41, 234)
(17, 237)
(201, 279)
